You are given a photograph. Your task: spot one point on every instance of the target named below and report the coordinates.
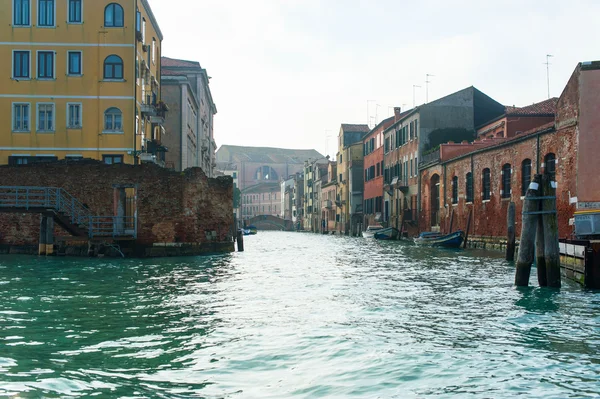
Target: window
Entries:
(138, 21)
(113, 16)
(20, 117)
(45, 66)
(113, 120)
(506, 175)
(455, 190)
(113, 67)
(21, 68)
(112, 159)
(75, 11)
(550, 165)
(74, 64)
(525, 175)
(21, 13)
(153, 50)
(486, 186)
(143, 30)
(234, 175)
(73, 115)
(469, 186)
(45, 117)
(46, 13)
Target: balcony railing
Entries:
(430, 158)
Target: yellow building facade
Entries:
(83, 81)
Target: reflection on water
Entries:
(296, 315)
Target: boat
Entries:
(389, 233)
(452, 240)
(371, 230)
(250, 230)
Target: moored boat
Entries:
(452, 240)
(389, 233)
(250, 230)
(371, 230)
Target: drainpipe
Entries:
(135, 46)
(537, 162)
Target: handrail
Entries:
(61, 201)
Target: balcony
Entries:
(327, 204)
(401, 185)
(431, 157)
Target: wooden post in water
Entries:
(49, 235)
(468, 227)
(528, 230)
(551, 247)
(43, 235)
(540, 260)
(510, 243)
(240, 240)
(451, 221)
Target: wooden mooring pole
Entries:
(551, 247)
(43, 235)
(240, 240)
(540, 260)
(451, 221)
(468, 227)
(528, 231)
(510, 243)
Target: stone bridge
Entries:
(268, 222)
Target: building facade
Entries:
(191, 141)
(260, 200)
(83, 80)
(313, 171)
(328, 198)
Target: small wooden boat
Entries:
(371, 230)
(250, 230)
(452, 240)
(389, 233)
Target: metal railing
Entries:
(60, 201)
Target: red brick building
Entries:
(483, 177)
(373, 164)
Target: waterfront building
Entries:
(237, 194)
(484, 176)
(320, 175)
(263, 199)
(348, 153)
(328, 198)
(312, 209)
(80, 81)
(414, 139)
(287, 192)
(374, 167)
(298, 201)
(190, 123)
(263, 164)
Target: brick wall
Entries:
(173, 207)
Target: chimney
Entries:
(397, 112)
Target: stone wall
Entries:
(172, 207)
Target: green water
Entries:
(295, 316)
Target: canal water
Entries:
(295, 316)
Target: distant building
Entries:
(263, 164)
(261, 199)
(313, 171)
(191, 139)
(298, 202)
(328, 198)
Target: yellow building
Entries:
(82, 81)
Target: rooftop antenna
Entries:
(376, 113)
(427, 81)
(414, 98)
(327, 137)
(548, 56)
(368, 118)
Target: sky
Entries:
(287, 73)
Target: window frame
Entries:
(69, 125)
(122, 78)
(39, 24)
(72, 22)
(547, 163)
(38, 119)
(37, 74)
(525, 182)
(104, 125)
(113, 157)
(506, 183)
(29, 66)
(69, 73)
(469, 188)
(14, 15)
(113, 7)
(486, 180)
(454, 190)
(13, 114)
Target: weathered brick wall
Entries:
(173, 207)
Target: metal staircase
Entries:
(67, 212)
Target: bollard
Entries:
(551, 247)
(510, 243)
(240, 240)
(528, 230)
(540, 260)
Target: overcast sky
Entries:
(288, 73)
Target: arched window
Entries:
(266, 173)
(113, 67)
(486, 192)
(469, 186)
(113, 16)
(455, 190)
(113, 120)
(525, 175)
(506, 176)
(550, 165)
